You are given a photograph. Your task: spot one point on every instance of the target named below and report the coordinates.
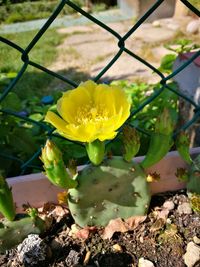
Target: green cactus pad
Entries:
(13, 233)
(114, 189)
(193, 184)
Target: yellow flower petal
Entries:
(67, 105)
(55, 120)
(91, 112)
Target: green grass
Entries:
(44, 53)
(26, 11)
(195, 3)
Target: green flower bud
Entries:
(131, 142)
(165, 123)
(54, 166)
(183, 147)
(95, 151)
(7, 206)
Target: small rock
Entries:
(193, 26)
(196, 240)
(192, 255)
(156, 23)
(145, 263)
(184, 208)
(117, 248)
(169, 205)
(169, 221)
(33, 251)
(73, 258)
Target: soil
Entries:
(161, 238)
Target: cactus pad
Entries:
(193, 184)
(114, 189)
(12, 233)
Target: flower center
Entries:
(89, 113)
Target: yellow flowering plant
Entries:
(109, 187)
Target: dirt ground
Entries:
(160, 240)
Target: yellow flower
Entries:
(90, 112)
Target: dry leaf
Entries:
(118, 225)
(157, 225)
(62, 197)
(82, 233)
(161, 217)
(134, 221)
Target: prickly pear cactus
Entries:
(193, 184)
(14, 232)
(114, 189)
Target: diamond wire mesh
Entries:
(121, 42)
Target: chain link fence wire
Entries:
(121, 42)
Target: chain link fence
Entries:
(121, 43)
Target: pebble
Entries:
(117, 248)
(184, 208)
(156, 23)
(193, 26)
(33, 251)
(196, 240)
(169, 221)
(145, 263)
(169, 205)
(192, 255)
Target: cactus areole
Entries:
(114, 189)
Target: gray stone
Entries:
(169, 205)
(192, 255)
(196, 240)
(184, 208)
(193, 26)
(150, 34)
(145, 263)
(32, 251)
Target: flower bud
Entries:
(183, 146)
(54, 166)
(165, 123)
(7, 207)
(131, 142)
